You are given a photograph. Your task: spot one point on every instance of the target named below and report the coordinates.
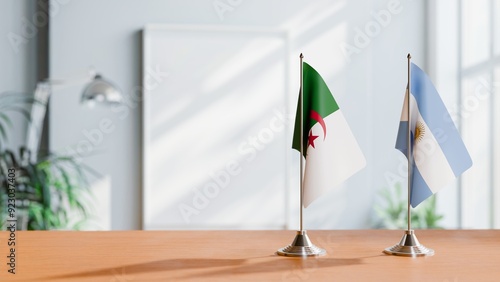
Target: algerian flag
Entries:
(331, 151)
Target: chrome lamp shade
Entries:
(102, 91)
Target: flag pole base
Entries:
(409, 247)
(301, 247)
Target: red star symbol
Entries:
(311, 139)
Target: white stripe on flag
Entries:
(428, 155)
(404, 112)
(333, 160)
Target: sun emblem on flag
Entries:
(419, 131)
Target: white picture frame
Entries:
(208, 93)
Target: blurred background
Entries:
(200, 135)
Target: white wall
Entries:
(369, 86)
(17, 57)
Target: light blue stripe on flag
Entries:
(438, 119)
(401, 143)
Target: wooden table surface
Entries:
(461, 255)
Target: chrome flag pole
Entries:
(301, 245)
(409, 245)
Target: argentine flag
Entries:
(439, 154)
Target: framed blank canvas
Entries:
(216, 132)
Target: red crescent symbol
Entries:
(317, 117)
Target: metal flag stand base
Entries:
(409, 247)
(301, 247)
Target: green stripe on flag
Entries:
(317, 97)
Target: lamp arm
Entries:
(42, 93)
(38, 111)
(57, 82)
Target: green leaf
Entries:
(22, 111)
(54, 187)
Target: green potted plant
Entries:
(47, 192)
